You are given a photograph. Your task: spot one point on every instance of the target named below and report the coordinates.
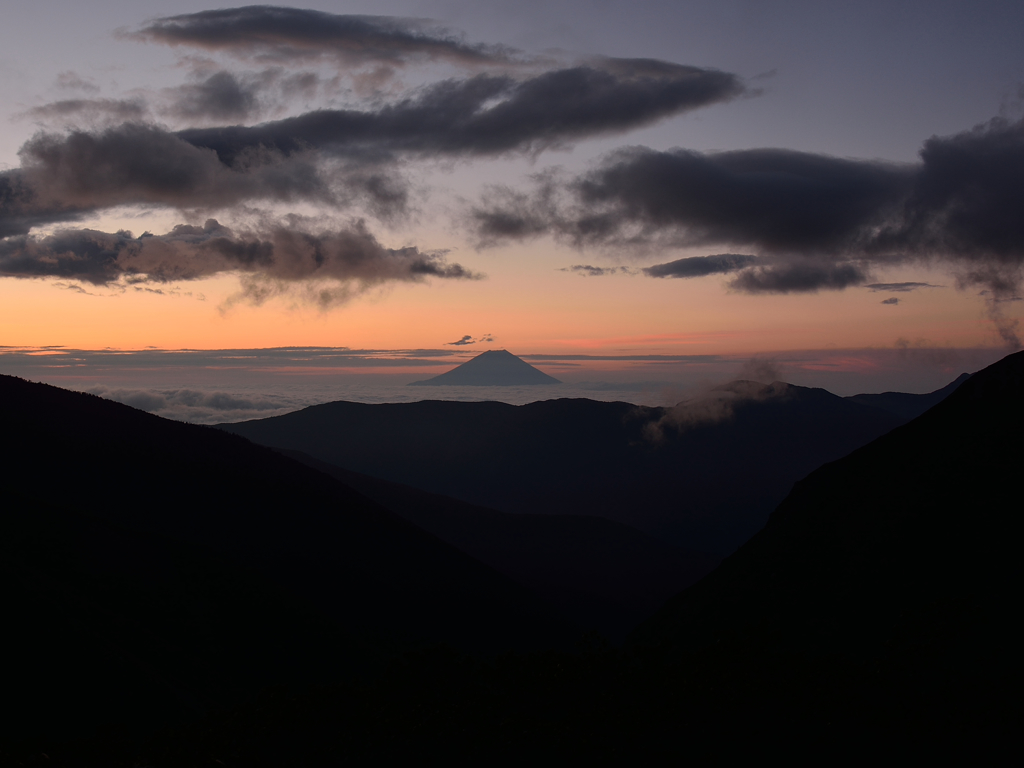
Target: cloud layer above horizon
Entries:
(107, 153)
(295, 135)
(817, 222)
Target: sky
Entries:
(628, 192)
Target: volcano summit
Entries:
(494, 368)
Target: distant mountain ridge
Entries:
(907, 405)
(152, 571)
(494, 368)
(704, 480)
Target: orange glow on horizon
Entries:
(527, 306)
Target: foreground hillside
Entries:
(157, 569)
(599, 574)
(873, 615)
(704, 476)
(904, 554)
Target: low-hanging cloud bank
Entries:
(489, 114)
(816, 222)
(270, 258)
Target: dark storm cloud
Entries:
(490, 114)
(223, 96)
(779, 200)
(968, 195)
(588, 270)
(295, 33)
(817, 222)
(282, 254)
(699, 266)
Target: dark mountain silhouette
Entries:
(704, 475)
(910, 406)
(494, 368)
(599, 573)
(900, 562)
(875, 614)
(156, 567)
(113, 625)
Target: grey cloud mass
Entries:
(220, 96)
(800, 277)
(817, 222)
(283, 254)
(295, 33)
(779, 200)
(489, 114)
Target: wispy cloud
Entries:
(588, 270)
(899, 287)
(467, 340)
(288, 34)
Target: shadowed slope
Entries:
(116, 626)
(875, 615)
(600, 574)
(164, 528)
(494, 368)
(902, 558)
(704, 480)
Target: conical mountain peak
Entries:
(494, 368)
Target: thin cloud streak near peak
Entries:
(468, 340)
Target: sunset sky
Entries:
(606, 179)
